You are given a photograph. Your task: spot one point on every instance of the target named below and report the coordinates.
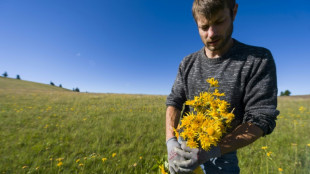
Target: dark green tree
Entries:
(5, 74)
(51, 83)
(285, 93)
(76, 89)
(18, 77)
(60, 86)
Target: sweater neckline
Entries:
(219, 59)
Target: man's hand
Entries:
(172, 146)
(193, 157)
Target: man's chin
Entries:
(211, 48)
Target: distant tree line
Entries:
(5, 74)
(76, 89)
(285, 93)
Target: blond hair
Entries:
(208, 8)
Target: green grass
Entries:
(42, 126)
(289, 142)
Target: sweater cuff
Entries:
(263, 118)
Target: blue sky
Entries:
(136, 46)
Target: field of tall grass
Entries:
(46, 129)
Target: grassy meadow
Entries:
(47, 129)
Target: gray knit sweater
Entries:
(247, 76)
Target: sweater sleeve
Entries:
(261, 95)
(177, 97)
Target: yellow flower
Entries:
(162, 169)
(213, 82)
(78, 160)
(104, 159)
(81, 164)
(37, 168)
(59, 164)
(140, 157)
(210, 131)
(187, 120)
(187, 133)
(302, 109)
(280, 169)
(59, 159)
(113, 155)
(308, 145)
(190, 102)
(135, 164)
(205, 141)
(214, 113)
(269, 154)
(192, 143)
(24, 167)
(216, 93)
(198, 170)
(176, 133)
(229, 117)
(264, 147)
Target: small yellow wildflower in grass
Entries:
(308, 145)
(24, 167)
(264, 147)
(205, 126)
(81, 164)
(140, 157)
(162, 169)
(280, 169)
(93, 155)
(59, 159)
(46, 126)
(113, 155)
(302, 109)
(59, 164)
(104, 159)
(78, 160)
(134, 165)
(37, 168)
(269, 154)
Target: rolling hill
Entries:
(13, 85)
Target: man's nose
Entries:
(212, 31)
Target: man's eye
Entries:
(205, 28)
(219, 22)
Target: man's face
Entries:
(216, 33)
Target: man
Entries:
(247, 76)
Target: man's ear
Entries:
(235, 10)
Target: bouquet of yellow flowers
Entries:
(206, 125)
